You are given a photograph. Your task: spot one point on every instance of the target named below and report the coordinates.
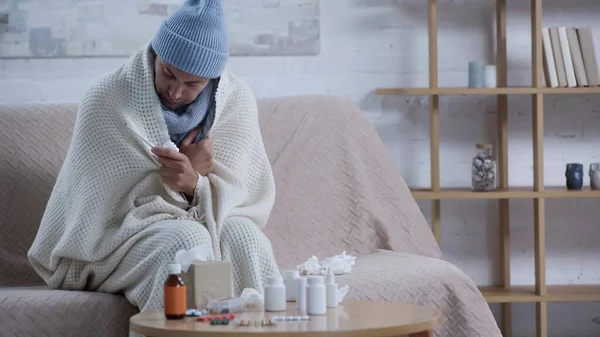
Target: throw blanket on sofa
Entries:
(109, 189)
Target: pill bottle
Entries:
(315, 296)
(175, 305)
(290, 281)
(274, 292)
(301, 294)
(331, 288)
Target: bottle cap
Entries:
(301, 282)
(330, 278)
(173, 268)
(484, 145)
(275, 280)
(315, 280)
(292, 273)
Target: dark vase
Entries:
(574, 174)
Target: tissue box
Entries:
(208, 280)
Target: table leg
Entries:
(428, 333)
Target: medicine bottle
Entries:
(275, 294)
(290, 281)
(331, 288)
(301, 294)
(315, 296)
(175, 305)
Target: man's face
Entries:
(175, 87)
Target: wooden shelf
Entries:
(504, 293)
(485, 91)
(554, 293)
(511, 193)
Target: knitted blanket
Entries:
(109, 190)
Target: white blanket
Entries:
(109, 189)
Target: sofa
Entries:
(336, 191)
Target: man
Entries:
(126, 201)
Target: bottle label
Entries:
(175, 298)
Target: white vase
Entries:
(490, 76)
(595, 176)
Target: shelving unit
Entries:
(503, 193)
(485, 91)
(505, 293)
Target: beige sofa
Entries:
(336, 190)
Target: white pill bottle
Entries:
(290, 281)
(316, 296)
(331, 288)
(274, 293)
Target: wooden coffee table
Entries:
(351, 319)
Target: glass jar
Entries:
(174, 293)
(483, 170)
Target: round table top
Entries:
(352, 318)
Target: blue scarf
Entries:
(200, 113)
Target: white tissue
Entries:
(339, 264)
(185, 258)
(171, 145)
(252, 299)
(342, 292)
(310, 267)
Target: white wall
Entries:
(383, 43)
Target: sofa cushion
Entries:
(35, 139)
(431, 282)
(337, 188)
(41, 312)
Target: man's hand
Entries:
(177, 171)
(200, 154)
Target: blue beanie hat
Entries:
(194, 38)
